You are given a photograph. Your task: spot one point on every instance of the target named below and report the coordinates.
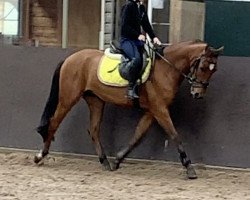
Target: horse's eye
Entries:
(203, 69)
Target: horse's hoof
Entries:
(191, 174)
(106, 166)
(115, 165)
(37, 159)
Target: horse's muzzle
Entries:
(197, 92)
(197, 95)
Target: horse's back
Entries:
(79, 67)
(85, 54)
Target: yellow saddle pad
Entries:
(108, 72)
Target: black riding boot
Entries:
(129, 72)
(132, 90)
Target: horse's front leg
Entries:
(163, 118)
(140, 131)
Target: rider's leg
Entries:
(131, 50)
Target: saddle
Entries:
(123, 70)
(115, 48)
(110, 69)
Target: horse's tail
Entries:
(51, 104)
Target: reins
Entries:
(189, 77)
(167, 61)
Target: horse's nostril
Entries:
(196, 95)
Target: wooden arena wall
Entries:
(42, 22)
(215, 130)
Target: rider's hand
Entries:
(142, 38)
(156, 41)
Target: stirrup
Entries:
(132, 94)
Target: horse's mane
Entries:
(172, 49)
(184, 43)
(198, 41)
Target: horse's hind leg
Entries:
(62, 109)
(140, 131)
(96, 106)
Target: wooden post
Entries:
(59, 21)
(26, 20)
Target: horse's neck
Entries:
(166, 78)
(170, 77)
(183, 57)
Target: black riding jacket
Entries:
(132, 19)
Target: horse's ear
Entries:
(218, 51)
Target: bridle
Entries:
(191, 77)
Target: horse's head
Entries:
(202, 68)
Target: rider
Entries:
(133, 18)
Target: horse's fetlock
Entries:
(102, 158)
(45, 153)
(183, 155)
(117, 163)
(186, 163)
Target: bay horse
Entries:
(76, 78)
